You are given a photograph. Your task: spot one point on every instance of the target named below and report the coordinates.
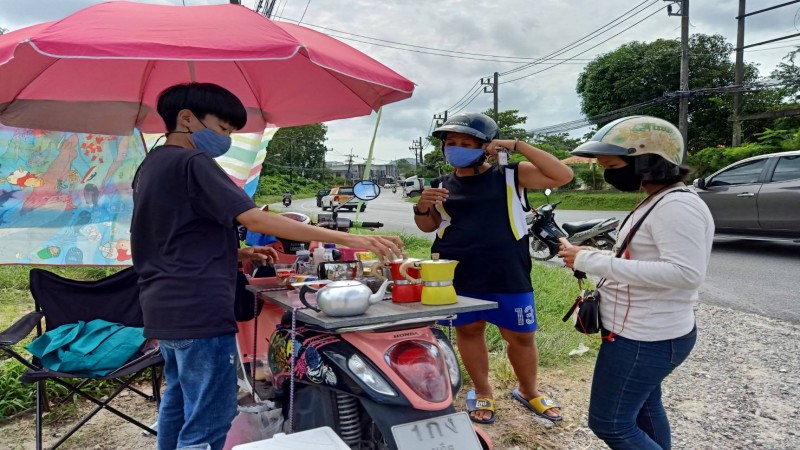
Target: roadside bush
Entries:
(278, 184)
(592, 180)
(709, 160)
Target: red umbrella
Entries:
(100, 70)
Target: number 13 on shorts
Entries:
(525, 315)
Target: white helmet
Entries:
(635, 136)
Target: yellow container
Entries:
(437, 279)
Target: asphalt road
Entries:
(754, 276)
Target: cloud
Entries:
(519, 28)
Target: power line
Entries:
(668, 97)
(587, 37)
(304, 13)
(510, 58)
(590, 48)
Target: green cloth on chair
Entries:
(93, 349)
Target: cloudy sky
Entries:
(516, 30)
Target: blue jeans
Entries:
(625, 408)
(199, 403)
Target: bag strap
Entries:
(637, 225)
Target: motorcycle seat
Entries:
(576, 227)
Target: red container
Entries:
(405, 291)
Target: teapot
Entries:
(437, 279)
(344, 298)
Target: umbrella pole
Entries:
(368, 167)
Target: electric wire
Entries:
(590, 48)
(304, 13)
(668, 97)
(585, 38)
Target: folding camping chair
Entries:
(63, 301)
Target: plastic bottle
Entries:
(328, 256)
(318, 257)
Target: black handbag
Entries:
(585, 311)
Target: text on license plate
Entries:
(450, 432)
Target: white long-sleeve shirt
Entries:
(669, 256)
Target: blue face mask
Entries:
(461, 156)
(211, 142)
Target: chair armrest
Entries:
(21, 328)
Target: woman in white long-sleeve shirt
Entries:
(648, 296)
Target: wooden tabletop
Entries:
(385, 312)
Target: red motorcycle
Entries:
(379, 383)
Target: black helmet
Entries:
(478, 125)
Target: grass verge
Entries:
(592, 201)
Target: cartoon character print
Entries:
(308, 361)
(23, 179)
(93, 146)
(119, 250)
(316, 370)
(280, 351)
(91, 232)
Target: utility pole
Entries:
(490, 87)
(291, 168)
(683, 112)
(349, 177)
(416, 149)
(738, 77)
(440, 118)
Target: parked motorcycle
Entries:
(381, 386)
(545, 233)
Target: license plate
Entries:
(450, 432)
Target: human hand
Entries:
(491, 148)
(569, 252)
(258, 253)
(431, 197)
(386, 247)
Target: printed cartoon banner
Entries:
(243, 161)
(65, 198)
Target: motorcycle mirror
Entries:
(366, 190)
(700, 183)
(547, 193)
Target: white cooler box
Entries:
(322, 438)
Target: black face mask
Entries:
(624, 178)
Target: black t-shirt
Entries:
(184, 242)
(480, 237)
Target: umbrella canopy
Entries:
(100, 70)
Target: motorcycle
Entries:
(545, 233)
(379, 387)
(287, 200)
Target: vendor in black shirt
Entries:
(184, 247)
(478, 213)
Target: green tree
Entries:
(507, 121)
(299, 151)
(561, 142)
(404, 167)
(641, 71)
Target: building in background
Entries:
(380, 173)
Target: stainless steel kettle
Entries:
(344, 298)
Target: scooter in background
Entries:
(545, 233)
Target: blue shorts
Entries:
(514, 312)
